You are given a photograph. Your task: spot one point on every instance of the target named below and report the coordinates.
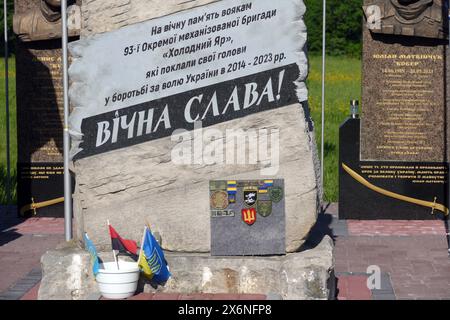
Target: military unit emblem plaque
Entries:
(247, 217)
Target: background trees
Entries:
(344, 27)
(344, 19)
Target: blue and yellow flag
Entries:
(151, 260)
(93, 252)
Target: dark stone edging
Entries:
(21, 287)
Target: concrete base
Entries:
(307, 275)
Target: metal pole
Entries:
(8, 156)
(67, 179)
(324, 30)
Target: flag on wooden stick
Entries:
(151, 259)
(121, 245)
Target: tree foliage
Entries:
(344, 26)
(344, 22)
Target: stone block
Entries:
(307, 275)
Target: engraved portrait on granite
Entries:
(43, 22)
(418, 18)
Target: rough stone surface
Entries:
(66, 275)
(139, 183)
(142, 184)
(306, 275)
(101, 16)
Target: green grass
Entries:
(13, 134)
(343, 83)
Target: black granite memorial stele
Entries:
(371, 190)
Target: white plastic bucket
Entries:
(118, 284)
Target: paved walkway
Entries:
(22, 243)
(411, 255)
(177, 296)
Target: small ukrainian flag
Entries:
(151, 259)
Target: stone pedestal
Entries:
(306, 275)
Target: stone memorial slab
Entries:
(424, 183)
(148, 88)
(37, 25)
(403, 81)
(393, 162)
(247, 217)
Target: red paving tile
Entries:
(418, 265)
(353, 287)
(22, 243)
(40, 226)
(395, 228)
(14, 269)
(20, 256)
(32, 294)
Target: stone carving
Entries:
(44, 21)
(419, 18)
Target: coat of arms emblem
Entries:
(249, 216)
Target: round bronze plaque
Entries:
(219, 200)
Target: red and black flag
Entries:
(123, 245)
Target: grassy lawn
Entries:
(343, 83)
(13, 141)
